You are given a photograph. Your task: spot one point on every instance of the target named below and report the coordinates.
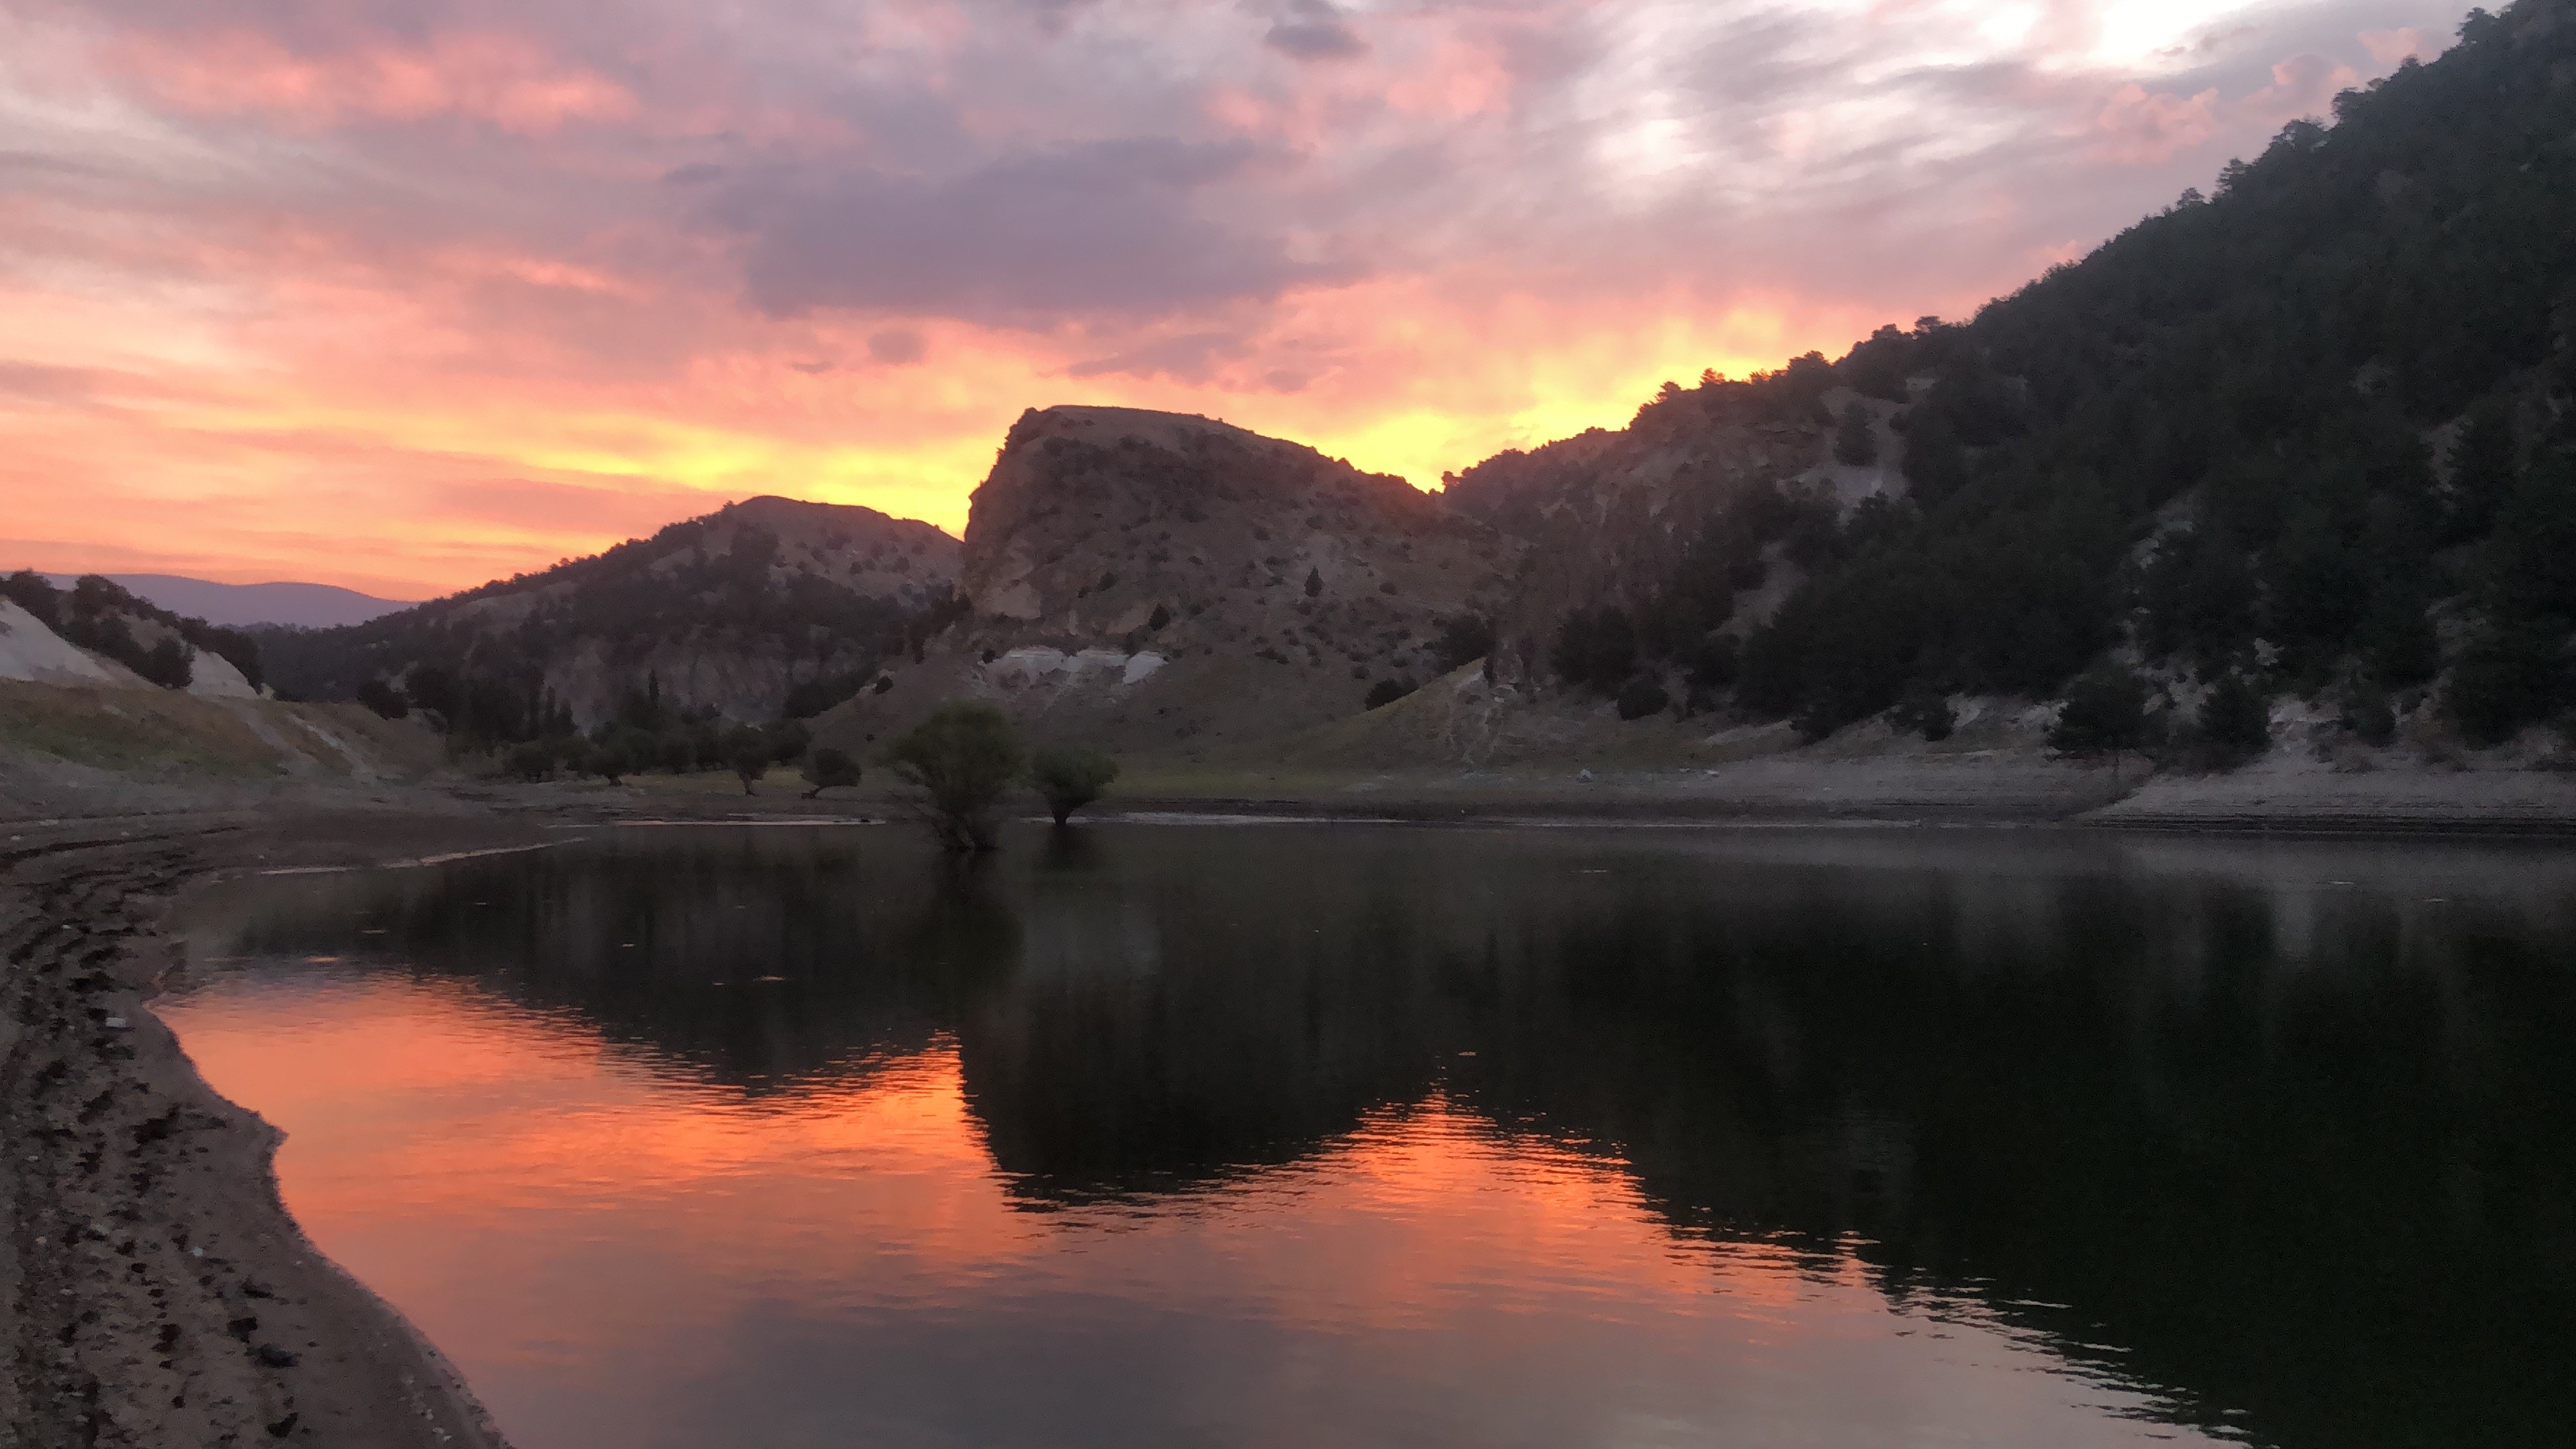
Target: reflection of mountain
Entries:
(2300, 1150)
(752, 958)
(1171, 1023)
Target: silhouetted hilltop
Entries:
(244, 606)
(724, 616)
(1158, 582)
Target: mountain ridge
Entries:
(2313, 434)
(278, 603)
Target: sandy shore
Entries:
(156, 1291)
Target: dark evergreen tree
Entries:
(2105, 713)
(2235, 722)
(1855, 441)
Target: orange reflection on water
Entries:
(618, 1252)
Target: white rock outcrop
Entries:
(29, 650)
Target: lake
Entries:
(1296, 1135)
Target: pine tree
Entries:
(1855, 441)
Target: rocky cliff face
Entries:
(1152, 580)
(1094, 519)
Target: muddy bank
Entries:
(156, 1292)
(2291, 796)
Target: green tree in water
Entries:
(1071, 778)
(961, 760)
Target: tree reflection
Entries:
(2266, 1128)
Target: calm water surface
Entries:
(1307, 1135)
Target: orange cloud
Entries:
(501, 79)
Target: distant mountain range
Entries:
(237, 606)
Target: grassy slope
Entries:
(162, 732)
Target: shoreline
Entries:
(159, 1293)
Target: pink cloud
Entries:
(500, 79)
(2303, 85)
(2388, 47)
(2137, 126)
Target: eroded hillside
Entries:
(727, 614)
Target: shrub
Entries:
(1595, 648)
(961, 759)
(1926, 711)
(2507, 678)
(384, 699)
(1640, 697)
(2235, 721)
(1855, 443)
(2105, 713)
(531, 762)
(1463, 639)
(613, 761)
(2367, 713)
(814, 696)
(1071, 778)
(748, 753)
(788, 740)
(1387, 691)
(678, 753)
(828, 769)
(32, 592)
(170, 664)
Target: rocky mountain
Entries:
(730, 615)
(1159, 581)
(1160, 584)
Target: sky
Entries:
(403, 295)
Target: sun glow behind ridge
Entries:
(409, 308)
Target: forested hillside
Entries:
(2313, 429)
(766, 607)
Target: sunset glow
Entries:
(574, 1219)
(407, 297)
